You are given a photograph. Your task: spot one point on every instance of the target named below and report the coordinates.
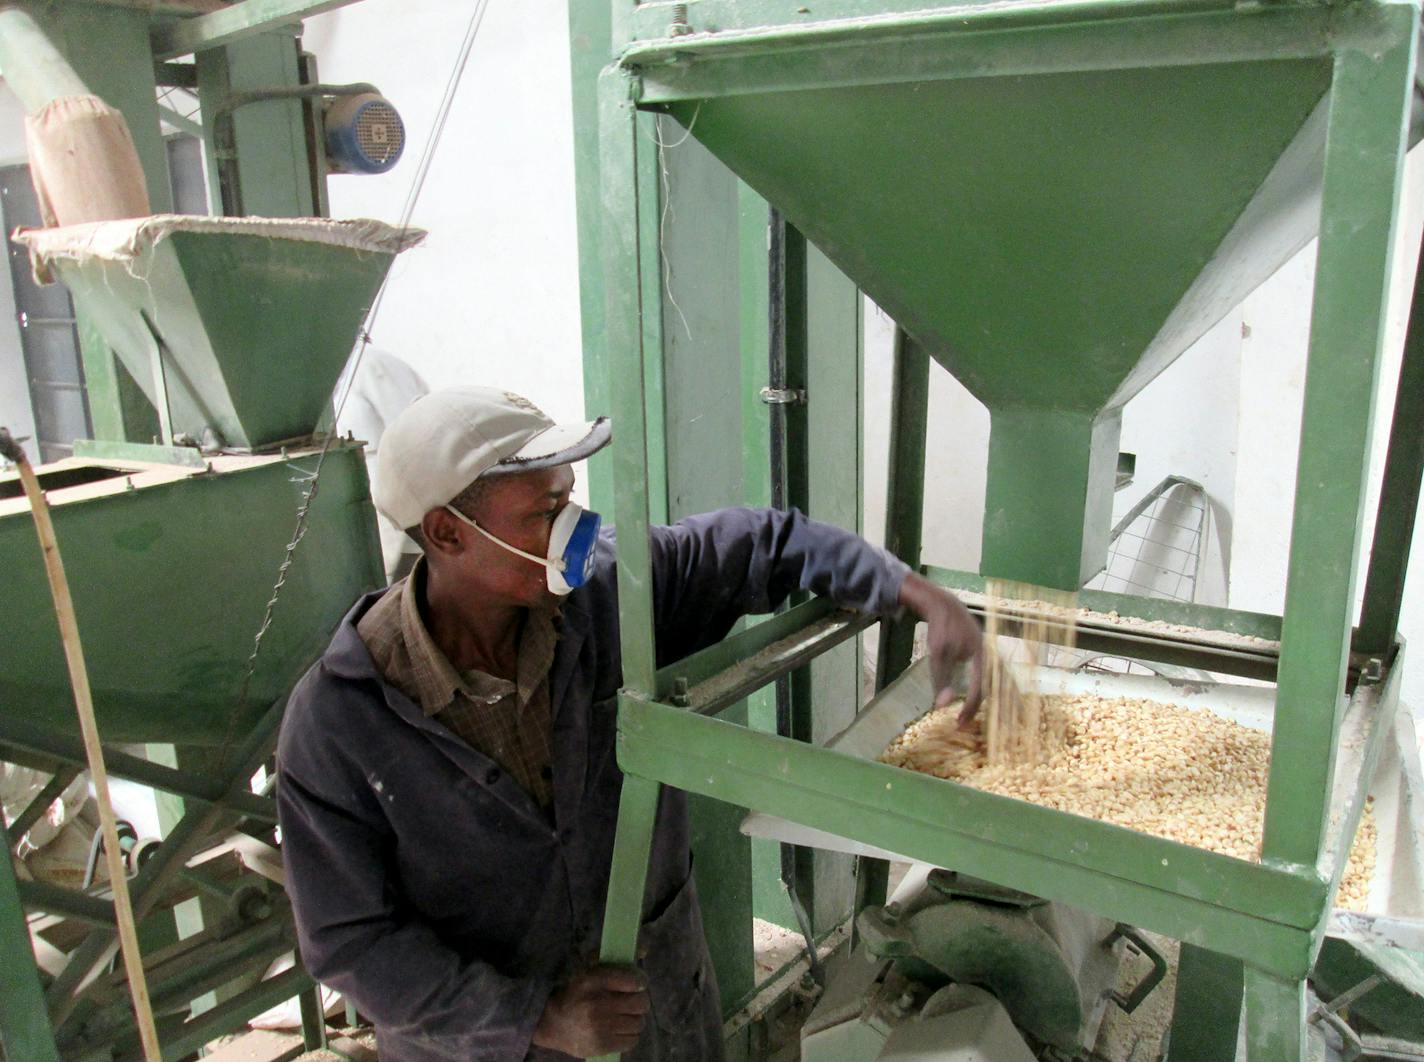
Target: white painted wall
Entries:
(492, 296)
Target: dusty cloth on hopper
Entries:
(507, 721)
(433, 890)
(83, 163)
(128, 240)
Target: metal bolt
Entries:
(129, 483)
(680, 695)
(679, 25)
(254, 907)
(1373, 670)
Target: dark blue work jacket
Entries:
(431, 889)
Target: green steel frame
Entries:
(1266, 917)
(78, 1013)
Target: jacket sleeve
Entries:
(354, 936)
(712, 569)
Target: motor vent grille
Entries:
(380, 133)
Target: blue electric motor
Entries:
(364, 134)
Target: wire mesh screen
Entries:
(1156, 549)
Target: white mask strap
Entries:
(556, 565)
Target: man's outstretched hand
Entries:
(955, 643)
(600, 1012)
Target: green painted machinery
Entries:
(1052, 199)
(1048, 971)
(213, 539)
(237, 336)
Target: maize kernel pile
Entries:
(1188, 776)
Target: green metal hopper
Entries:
(1054, 239)
(235, 328)
(171, 569)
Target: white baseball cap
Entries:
(445, 440)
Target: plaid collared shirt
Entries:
(510, 722)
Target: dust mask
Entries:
(573, 541)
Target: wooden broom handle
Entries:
(84, 702)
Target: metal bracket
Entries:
(783, 396)
(1131, 1000)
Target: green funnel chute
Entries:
(1054, 240)
(236, 329)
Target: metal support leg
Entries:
(1206, 1017)
(1364, 156)
(24, 1023)
(1399, 493)
(172, 856)
(905, 491)
(904, 533)
(1275, 1018)
(637, 811)
(623, 268)
(313, 1019)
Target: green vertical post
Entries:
(313, 1020)
(623, 268)
(905, 489)
(590, 28)
(118, 409)
(25, 1031)
(833, 385)
(692, 328)
(904, 535)
(1275, 1018)
(624, 271)
(273, 165)
(754, 311)
(1399, 494)
(1206, 1016)
(1363, 162)
(650, 252)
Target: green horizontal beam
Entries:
(650, 20)
(235, 1012)
(724, 673)
(1263, 914)
(1181, 613)
(702, 665)
(61, 748)
(229, 24)
(53, 899)
(944, 45)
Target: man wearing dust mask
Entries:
(448, 784)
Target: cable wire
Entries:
(442, 117)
